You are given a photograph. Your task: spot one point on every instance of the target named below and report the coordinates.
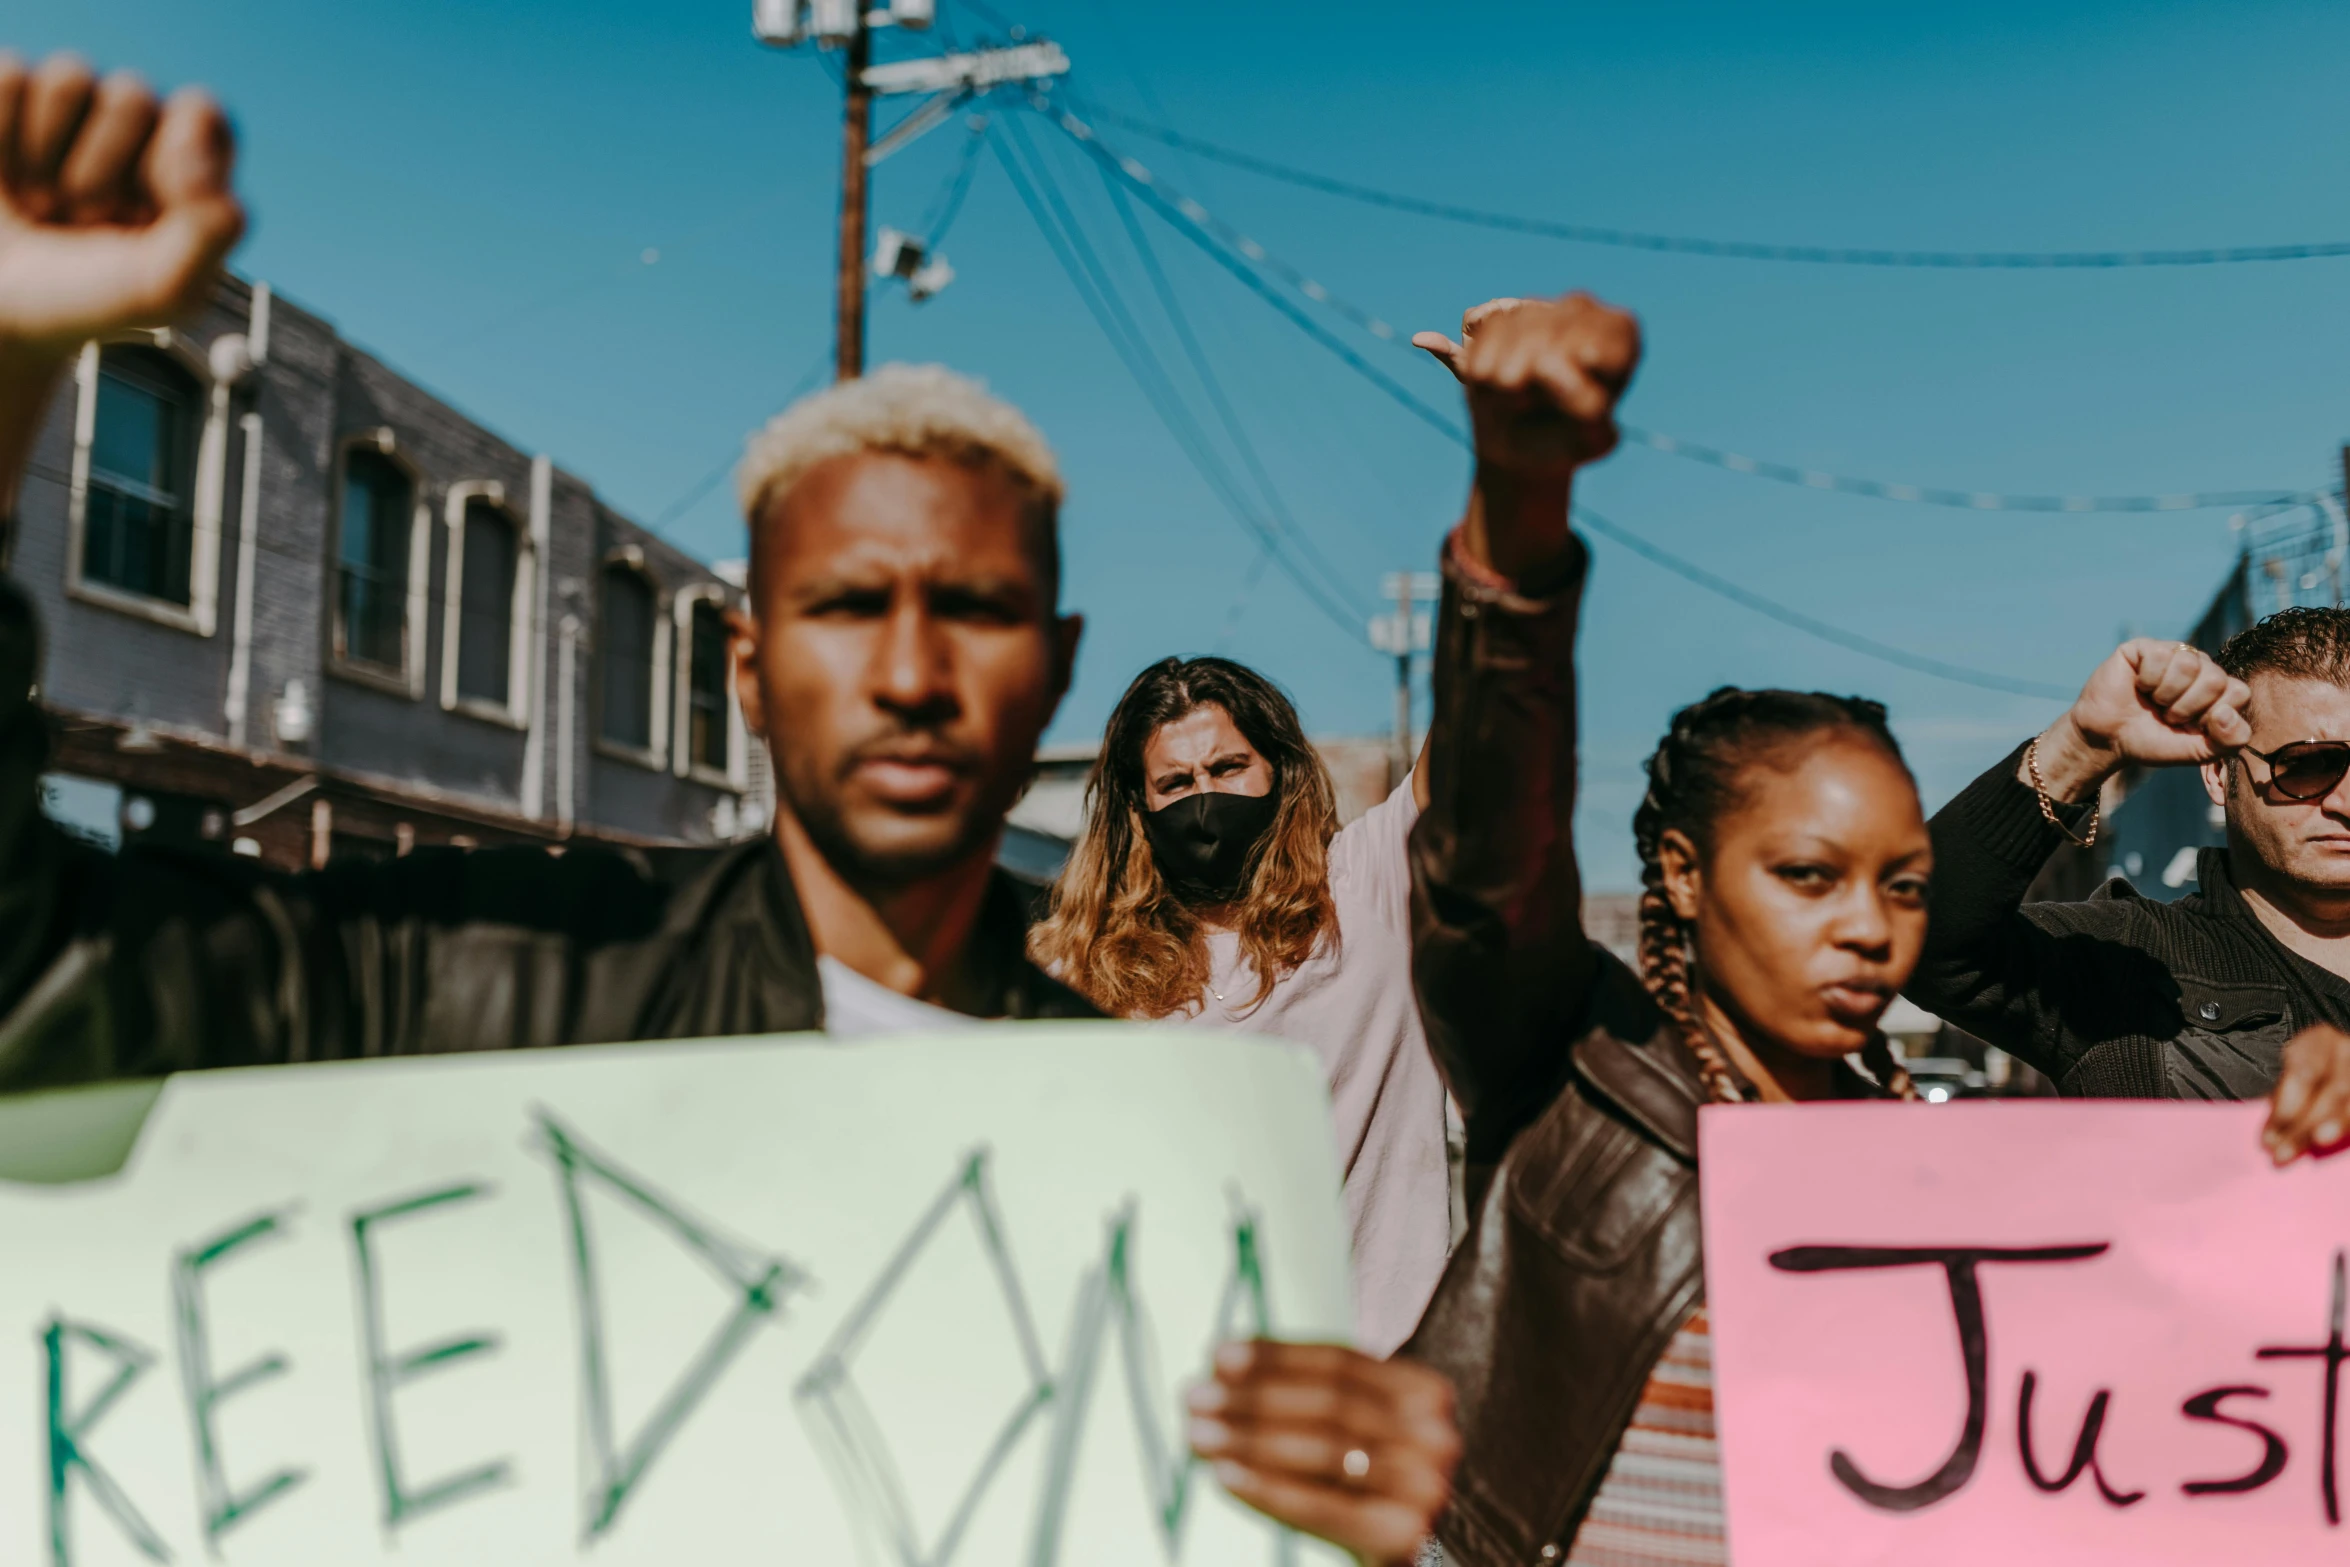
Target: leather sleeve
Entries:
(33, 854)
(158, 960)
(1499, 958)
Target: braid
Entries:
(1693, 779)
(1877, 1056)
(1664, 939)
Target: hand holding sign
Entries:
(2309, 1109)
(1328, 1440)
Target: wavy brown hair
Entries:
(1118, 934)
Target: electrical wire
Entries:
(1742, 250)
(1254, 260)
(1234, 429)
(1853, 641)
(948, 203)
(1099, 297)
(693, 494)
(1687, 569)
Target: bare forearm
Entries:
(2072, 766)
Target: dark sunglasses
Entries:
(2306, 769)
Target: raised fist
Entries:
(2160, 704)
(115, 210)
(1543, 377)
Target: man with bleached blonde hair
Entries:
(903, 654)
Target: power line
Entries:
(948, 203)
(1253, 260)
(701, 487)
(1332, 595)
(1690, 570)
(1884, 652)
(1229, 417)
(1681, 244)
(1150, 377)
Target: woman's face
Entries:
(1201, 752)
(1811, 910)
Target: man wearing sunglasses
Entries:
(2122, 995)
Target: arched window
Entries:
(705, 691)
(371, 621)
(625, 664)
(138, 528)
(489, 564)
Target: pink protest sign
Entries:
(2049, 1332)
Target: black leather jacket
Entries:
(1583, 1253)
(157, 961)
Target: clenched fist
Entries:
(115, 210)
(2159, 704)
(1543, 378)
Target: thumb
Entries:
(170, 267)
(1442, 349)
(2226, 727)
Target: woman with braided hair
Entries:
(1781, 955)
(1785, 857)
(1784, 865)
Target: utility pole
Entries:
(856, 136)
(949, 79)
(1403, 633)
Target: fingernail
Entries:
(1232, 1476)
(1208, 1437)
(2328, 1134)
(1206, 1397)
(1234, 1357)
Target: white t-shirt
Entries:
(1352, 1003)
(857, 1008)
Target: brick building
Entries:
(296, 606)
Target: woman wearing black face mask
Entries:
(1214, 885)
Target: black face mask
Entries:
(1203, 842)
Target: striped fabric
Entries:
(1661, 1503)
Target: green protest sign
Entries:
(920, 1302)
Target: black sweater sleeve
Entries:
(1988, 967)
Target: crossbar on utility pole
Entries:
(949, 78)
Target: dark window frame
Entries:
(109, 533)
(482, 675)
(647, 669)
(406, 677)
(706, 687)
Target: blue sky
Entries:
(469, 190)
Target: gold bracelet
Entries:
(2048, 806)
